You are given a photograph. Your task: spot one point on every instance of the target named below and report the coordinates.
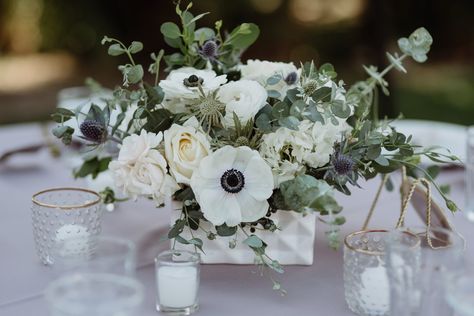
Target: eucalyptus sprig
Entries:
(132, 72)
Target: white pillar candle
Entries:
(375, 289)
(177, 286)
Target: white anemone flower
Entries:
(183, 83)
(232, 185)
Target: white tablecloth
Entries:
(225, 289)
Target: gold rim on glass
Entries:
(66, 207)
(375, 253)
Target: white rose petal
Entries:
(141, 170)
(185, 147)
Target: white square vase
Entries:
(293, 244)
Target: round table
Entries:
(225, 289)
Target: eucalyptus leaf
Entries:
(135, 47)
(322, 94)
(115, 50)
(297, 108)
(243, 36)
(135, 74)
(224, 230)
(177, 228)
(280, 110)
(289, 122)
(253, 241)
(273, 80)
(170, 30)
(273, 94)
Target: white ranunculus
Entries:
(244, 98)
(141, 170)
(261, 70)
(277, 149)
(232, 185)
(288, 151)
(174, 88)
(185, 147)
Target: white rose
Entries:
(141, 170)
(261, 70)
(244, 98)
(185, 146)
(174, 88)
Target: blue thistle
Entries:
(343, 164)
(93, 131)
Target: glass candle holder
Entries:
(403, 261)
(61, 214)
(95, 294)
(426, 291)
(177, 279)
(460, 293)
(366, 284)
(95, 254)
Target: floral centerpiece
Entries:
(237, 141)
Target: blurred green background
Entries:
(47, 45)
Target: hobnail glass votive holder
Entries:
(61, 214)
(98, 294)
(366, 284)
(177, 280)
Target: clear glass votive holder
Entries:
(425, 293)
(97, 294)
(60, 214)
(177, 280)
(469, 174)
(366, 284)
(104, 254)
(403, 262)
(460, 293)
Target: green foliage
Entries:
(305, 193)
(417, 45)
(224, 230)
(92, 167)
(189, 40)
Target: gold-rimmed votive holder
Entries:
(60, 214)
(366, 283)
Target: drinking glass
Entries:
(460, 293)
(403, 259)
(60, 214)
(95, 254)
(469, 174)
(177, 280)
(424, 294)
(97, 294)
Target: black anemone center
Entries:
(232, 181)
(193, 81)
